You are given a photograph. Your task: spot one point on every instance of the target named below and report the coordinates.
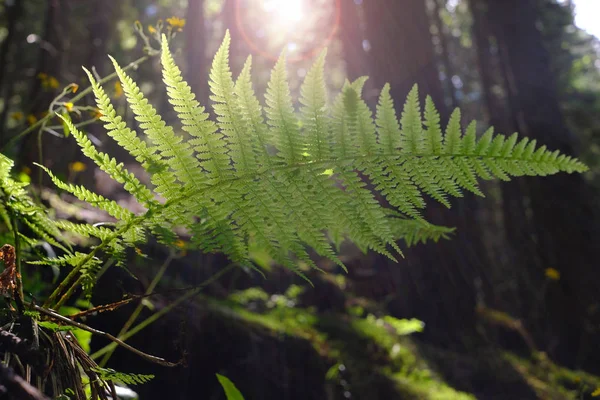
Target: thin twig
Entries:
(76, 98)
(117, 341)
(163, 311)
(135, 314)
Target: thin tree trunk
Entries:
(445, 53)
(195, 44)
(403, 54)
(13, 14)
(562, 208)
(352, 36)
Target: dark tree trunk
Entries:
(352, 35)
(52, 51)
(402, 53)
(445, 52)
(7, 57)
(560, 209)
(196, 69)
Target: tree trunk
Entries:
(402, 53)
(561, 208)
(352, 36)
(196, 69)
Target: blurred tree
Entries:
(353, 39)
(195, 49)
(8, 56)
(549, 224)
(402, 53)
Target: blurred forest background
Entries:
(510, 304)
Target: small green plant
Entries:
(231, 392)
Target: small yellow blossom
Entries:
(553, 274)
(69, 106)
(151, 29)
(96, 113)
(175, 22)
(118, 89)
(17, 116)
(53, 83)
(179, 243)
(596, 393)
(77, 166)
(74, 87)
(31, 119)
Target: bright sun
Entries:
(285, 12)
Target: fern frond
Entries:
(280, 115)
(70, 259)
(117, 172)
(94, 199)
(313, 97)
(109, 374)
(127, 139)
(170, 147)
(252, 115)
(291, 180)
(208, 141)
(85, 230)
(229, 116)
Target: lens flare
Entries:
(285, 12)
(293, 24)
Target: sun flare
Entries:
(285, 12)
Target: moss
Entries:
(368, 350)
(372, 357)
(551, 381)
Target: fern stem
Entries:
(19, 282)
(75, 99)
(135, 314)
(65, 282)
(154, 317)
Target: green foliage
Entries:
(277, 179)
(17, 204)
(231, 391)
(109, 374)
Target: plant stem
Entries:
(76, 98)
(19, 282)
(65, 282)
(115, 340)
(162, 312)
(133, 317)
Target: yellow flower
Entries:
(175, 22)
(553, 274)
(96, 113)
(77, 166)
(151, 29)
(596, 393)
(53, 83)
(69, 106)
(31, 119)
(74, 87)
(118, 89)
(17, 116)
(179, 243)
